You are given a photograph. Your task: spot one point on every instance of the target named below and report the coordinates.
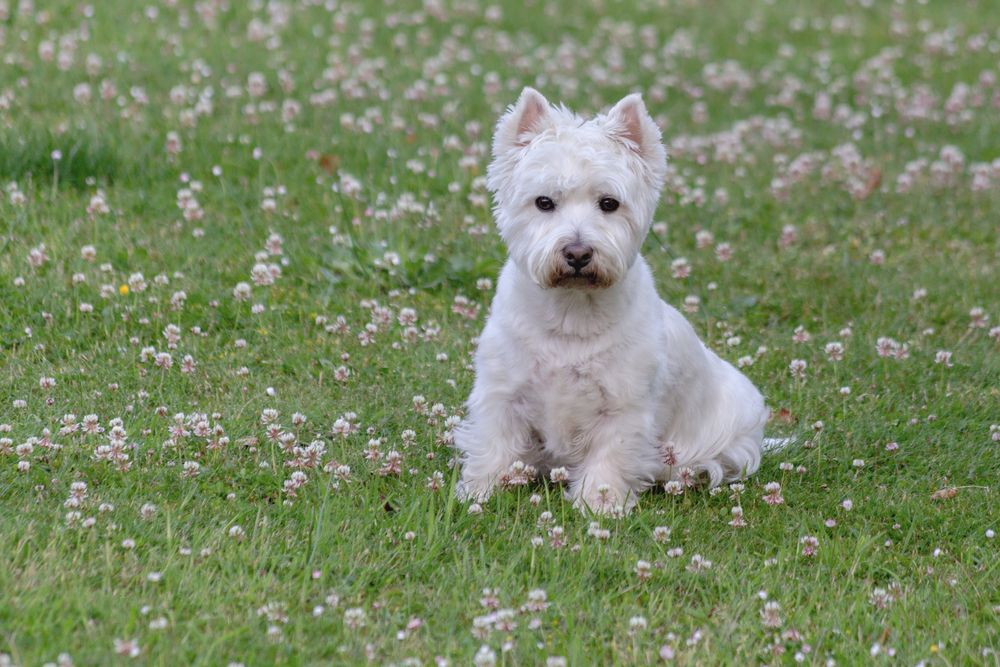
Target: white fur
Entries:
(594, 372)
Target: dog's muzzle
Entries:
(578, 269)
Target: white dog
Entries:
(582, 371)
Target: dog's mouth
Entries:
(579, 280)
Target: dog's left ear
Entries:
(629, 122)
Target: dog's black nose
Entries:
(578, 255)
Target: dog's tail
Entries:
(771, 445)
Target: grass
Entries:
(83, 159)
(400, 99)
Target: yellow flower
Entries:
(123, 290)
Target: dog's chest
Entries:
(575, 387)
(573, 397)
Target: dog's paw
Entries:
(604, 500)
(474, 491)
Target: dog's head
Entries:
(574, 198)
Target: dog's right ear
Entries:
(516, 128)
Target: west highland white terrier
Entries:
(582, 372)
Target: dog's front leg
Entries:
(494, 436)
(622, 460)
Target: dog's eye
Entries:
(545, 204)
(608, 204)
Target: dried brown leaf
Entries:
(946, 493)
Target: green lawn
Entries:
(846, 155)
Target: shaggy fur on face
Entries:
(541, 151)
(581, 367)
